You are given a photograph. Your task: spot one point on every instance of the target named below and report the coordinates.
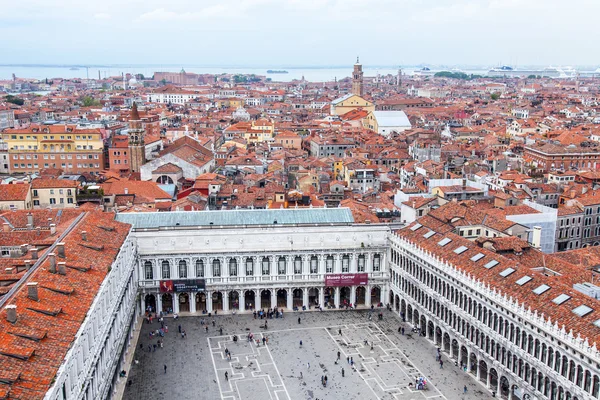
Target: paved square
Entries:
(283, 369)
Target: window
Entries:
(314, 264)
(477, 257)
(281, 266)
(36, 202)
(582, 310)
(507, 272)
(166, 270)
(199, 269)
(148, 271)
(444, 242)
(297, 265)
(266, 267)
(329, 264)
(429, 234)
(35, 192)
(52, 200)
(361, 263)
(491, 264)
(415, 227)
(346, 263)
(182, 269)
(541, 289)
(216, 265)
(460, 250)
(561, 299)
(249, 266)
(233, 267)
(51, 191)
(524, 280)
(376, 263)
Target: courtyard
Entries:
(378, 362)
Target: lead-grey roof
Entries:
(151, 220)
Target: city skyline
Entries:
(322, 33)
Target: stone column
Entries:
(290, 299)
(209, 301)
(368, 296)
(257, 305)
(143, 303)
(353, 295)
(305, 297)
(321, 269)
(321, 296)
(158, 297)
(273, 298)
(383, 296)
(337, 297)
(193, 302)
(353, 263)
(241, 302)
(369, 262)
(176, 302)
(225, 300)
(337, 264)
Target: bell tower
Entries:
(137, 150)
(357, 79)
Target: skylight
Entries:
(597, 323)
(561, 299)
(415, 227)
(444, 241)
(491, 264)
(582, 310)
(477, 257)
(429, 234)
(541, 289)
(507, 272)
(524, 280)
(460, 250)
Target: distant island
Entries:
(276, 71)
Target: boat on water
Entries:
(425, 71)
(276, 71)
(74, 69)
(550, 72)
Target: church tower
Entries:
(357, 79)
(137, 150)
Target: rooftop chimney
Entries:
(62, 268)
(84, 236)
(52, 229)
(9, 270)
(32, 291)
(52, 258)
(60, 248)
(126, 191)
(29, 221)
(6, 227)
(24, 249)
(11, 313)
(34, 253)
(27, 265)
(536, 240)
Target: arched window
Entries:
(249, 266)
(346, 263)
(182, 269)
(148, 271)
(361, 263)
(166, 270)
(297, 265)
(329, 264)
(233, 267)
(199, 269)
(266, 267)
(281, 266)
(376, 263)
(216, 268)
(314, 264)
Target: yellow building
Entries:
(66, 147)
(350, 102)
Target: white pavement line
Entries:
(216, 372)
(278, 373)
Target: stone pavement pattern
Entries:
(196, 364)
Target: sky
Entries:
(300, 32)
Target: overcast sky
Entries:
(300, 32)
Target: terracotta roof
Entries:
(53, 183)
(14, 192)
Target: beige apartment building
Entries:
(36, 147)
(54, 193)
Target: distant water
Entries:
(312, 74)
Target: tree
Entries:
(14, 99)
(495, 96)
(89, 101)
(163, 82)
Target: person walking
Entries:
(465, 389)
(338, 356)
(226, 376)
(340, 331)
(221, 331)
(343, 372)
(441, 364)
(301, 344)
(179, 328)
(165, 368)
(298, 319)
(348, 359)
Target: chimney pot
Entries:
(126, 191)
(24, 249)
(9, 270)
(6, 227)
(60, 248)
(84, 236)
(34, 253)
(52, 229)
(52, 258)
(32, 291)
(29, 220)
(27, 265)
(62, 268)
(11, 313)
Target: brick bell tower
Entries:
(357, 79)
(137, 151)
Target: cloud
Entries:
(161, 14)
(102, 16)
